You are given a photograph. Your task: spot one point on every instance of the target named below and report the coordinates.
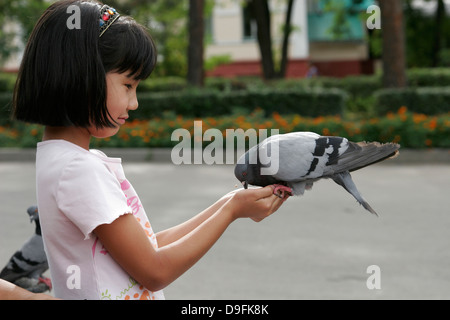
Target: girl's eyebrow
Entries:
(127, 78)
(130, 77)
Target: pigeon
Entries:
(26, 266)
(298, 159)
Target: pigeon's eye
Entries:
(244, 174)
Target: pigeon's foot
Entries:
(280, 191)
(46, 281)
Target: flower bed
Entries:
(411, 130)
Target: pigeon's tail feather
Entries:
(362, 154)
(344, 179)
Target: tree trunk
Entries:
(439, 19)
(261, 13)
(285, 45)
(260, 9)
(195, 75)
(394, 73)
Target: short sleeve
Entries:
(89, 195)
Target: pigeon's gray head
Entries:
(34, 216)
(248, 169)
(33, 213)
(241, 171)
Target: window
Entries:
(250, 27)
(314, 6)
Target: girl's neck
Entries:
(75, 135)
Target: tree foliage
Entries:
(25, 13)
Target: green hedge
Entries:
(7, 81)
(356, 86)
(5, 107)
(429, 101)
(204, 103)
(427, 94)
(429, 77)
(162, 84)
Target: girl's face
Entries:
(121, 98)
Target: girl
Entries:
(9, 291)
(78, 83)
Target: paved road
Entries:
(316, 247)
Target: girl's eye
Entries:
(129, 86)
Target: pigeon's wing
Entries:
(362, 154)
(289, 155)
(29, 261)
(33, 249)
(305, 155)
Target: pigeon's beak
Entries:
(245, 184)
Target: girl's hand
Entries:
(42, 296)
(256, 204)
(10, 291)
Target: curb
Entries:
(127, 155)
(155, 155)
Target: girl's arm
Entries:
(9, 291)
(168, 236)
(128, 244)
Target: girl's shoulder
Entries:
(59, 147)
(64, 160)
(61, 155)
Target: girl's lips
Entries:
(122, 120)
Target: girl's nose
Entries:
(133, 103)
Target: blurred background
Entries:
(364, 69)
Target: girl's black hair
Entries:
(62, 77)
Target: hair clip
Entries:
(107, 17)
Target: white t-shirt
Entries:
(78, 190)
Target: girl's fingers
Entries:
(265, 192)
(273, 204)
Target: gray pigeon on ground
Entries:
(26, 266)
(299, 159)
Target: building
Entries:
(313, 48)
(319, 43)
